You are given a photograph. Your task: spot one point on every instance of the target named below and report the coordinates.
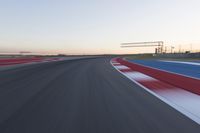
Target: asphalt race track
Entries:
(82, 96)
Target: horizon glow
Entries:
(97, 27)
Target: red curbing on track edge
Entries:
(189, 84)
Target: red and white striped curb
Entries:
(9, 62)
(186, 102)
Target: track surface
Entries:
(180, 68)
(82, 96)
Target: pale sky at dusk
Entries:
(96, 26)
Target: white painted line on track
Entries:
(183, 62)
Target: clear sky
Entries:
(96, 26)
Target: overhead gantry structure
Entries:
(158, 44)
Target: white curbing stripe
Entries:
(171, 99)
(139, 76)
(116, 63)
(121, 67)
(190, 101)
